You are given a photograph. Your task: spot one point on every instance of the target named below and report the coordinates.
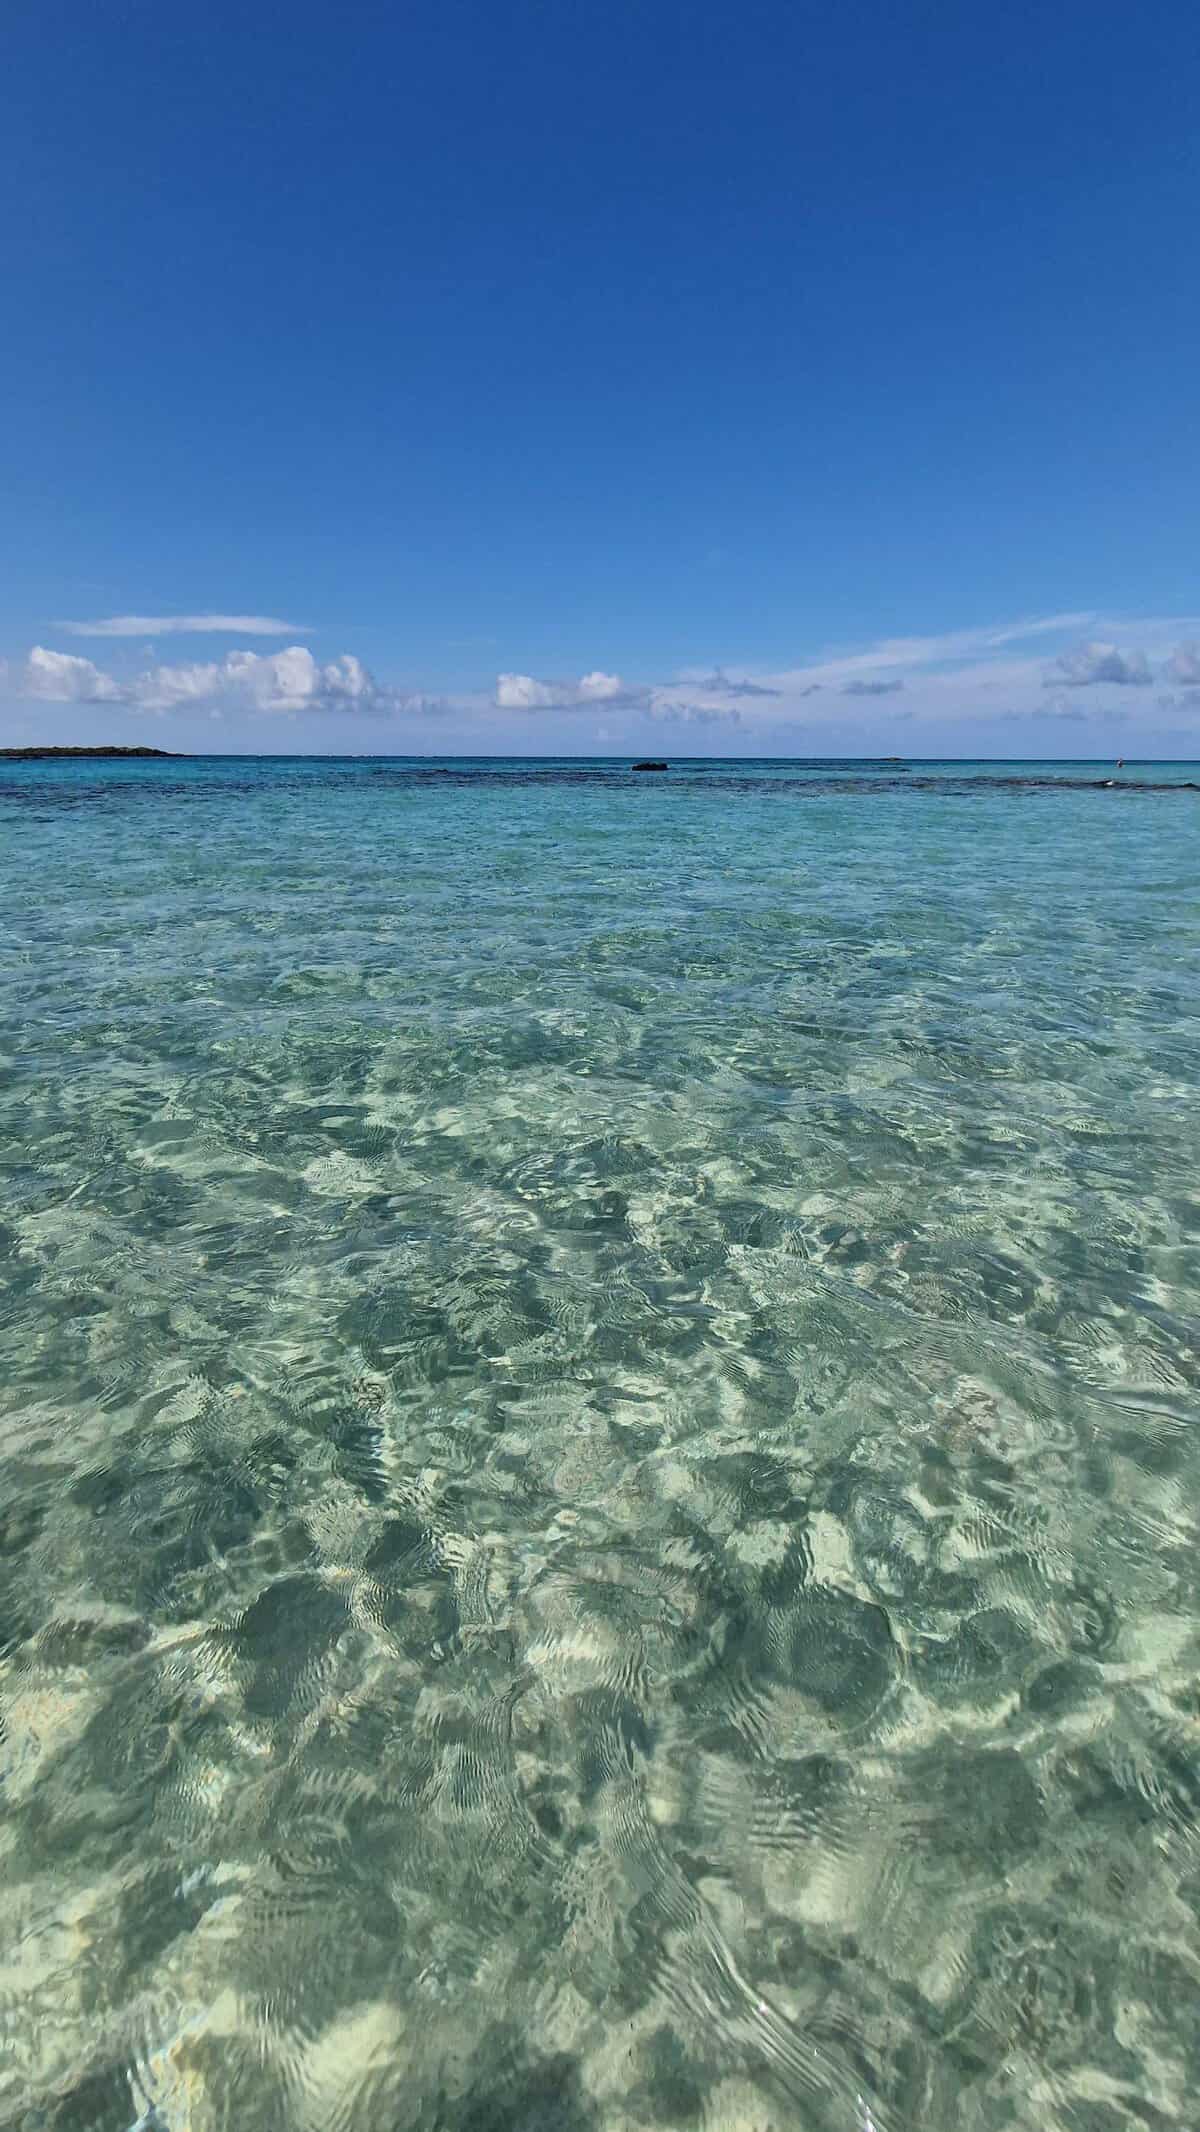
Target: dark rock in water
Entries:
(649, 766)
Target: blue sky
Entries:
(771, 379)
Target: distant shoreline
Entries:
(106, 754)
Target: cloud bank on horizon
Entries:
(989, 681)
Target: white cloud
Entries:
(1090, 663)
(520, 692)
(290, 680)
(1183, 666)
(523, 692)
(859, 687)
(182, 625)
(599, 688)
(60, 677)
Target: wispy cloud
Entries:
(696, 714)
(958, 670)
(719, 683)
(953, 647)
(182, 625)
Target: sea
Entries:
(599, 1451)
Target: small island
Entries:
(649, 766)
(97, 754)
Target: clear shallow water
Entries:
(598, 1487)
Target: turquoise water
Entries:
(599, 1491)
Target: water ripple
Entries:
(599, 1384)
